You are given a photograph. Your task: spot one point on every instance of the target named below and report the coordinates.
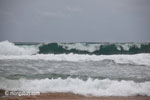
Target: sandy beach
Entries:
(71, 96)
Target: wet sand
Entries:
(71, 96)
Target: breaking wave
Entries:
(136, 59)
(74, 52)
(94, 87)
(95, 48)
(8, 48)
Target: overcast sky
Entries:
(75, 20)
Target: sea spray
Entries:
(94, 87)
(8, 48)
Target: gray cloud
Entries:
(75, 20)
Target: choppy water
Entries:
(76, 68)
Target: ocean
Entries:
(87, 68)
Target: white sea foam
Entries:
(127, 46)
(93, 47)
(139, 59)
(81, 46)
(94, 87)
(8, 48)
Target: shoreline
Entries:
(71, 96)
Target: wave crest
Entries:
(137, 59)
(8, 48)
(95, 48)
(94, 87)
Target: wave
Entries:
(95, 48)
(8, 48)
(94, 87)
(136, 59)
